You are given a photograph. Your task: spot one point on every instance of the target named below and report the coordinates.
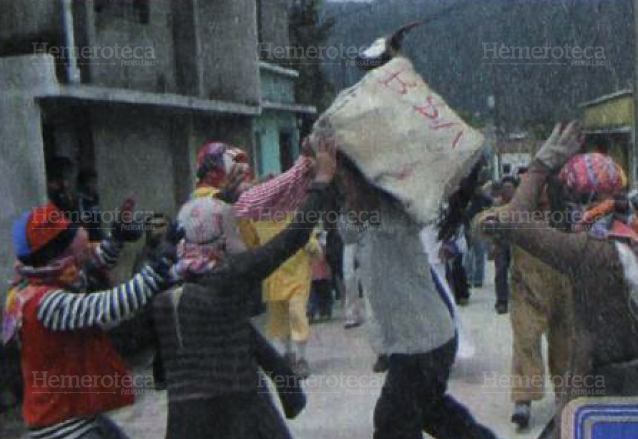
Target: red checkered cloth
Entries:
(279, 196)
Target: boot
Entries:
(280, 372)
(522, 414)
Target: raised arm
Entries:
(284, 193)
(66, 311)
(565, 252)
(260, 262)
(518, 223)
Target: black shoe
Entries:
(463, 302)
(382, 364)
(501, 308)
(351, 325)
(522, 414)
(291, 395)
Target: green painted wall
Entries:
(276, 87)
(267, 129)
(279, 88)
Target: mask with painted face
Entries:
(211, 234)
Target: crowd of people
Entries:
(562, 235)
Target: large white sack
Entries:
(403, 137)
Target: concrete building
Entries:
(130, 89)
(277, 127)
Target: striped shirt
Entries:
(279, 196)
(73, 428)
(63, 310)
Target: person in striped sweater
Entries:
(72, 374)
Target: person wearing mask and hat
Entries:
(214, 385)
(599, 259)
(223, 173)
(59, 326)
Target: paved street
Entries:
(343, 389)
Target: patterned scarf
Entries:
(197, 259)
(593, 215)
(62, 273)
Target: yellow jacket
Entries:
(295, 275)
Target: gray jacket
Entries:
(409, 315)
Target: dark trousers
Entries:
(320, 298)
(502, 264)
(457, 278)
(414, 400)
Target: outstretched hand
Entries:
(127, 227)
(560, 146)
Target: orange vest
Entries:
(68, 373)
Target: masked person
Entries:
(599, 261)
(214, 386)
(223, 173)
(60, 327)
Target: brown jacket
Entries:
(606, 330)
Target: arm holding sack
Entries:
(260, 262)
(283, 193)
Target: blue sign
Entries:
(608, 420)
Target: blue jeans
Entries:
(474, 262)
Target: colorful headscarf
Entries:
(219, 158)
(593, 173)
